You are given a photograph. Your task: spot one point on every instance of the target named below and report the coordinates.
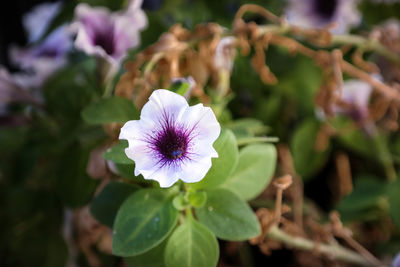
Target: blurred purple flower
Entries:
(320, 13)
(37, 21)
(356, 94)
(44, 59)
(11, 91)
(225, 53)
(396, 261)
(107, 34)
(41, 60)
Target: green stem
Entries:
(345, 39)
(385, 157)
(106, 72)
(367, 44)
(189, 213)
(332, 250)
(223, 82)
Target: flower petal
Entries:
(37, 21)
(130, 130)
(165, 176)
(203, 120)
(195, 170)
(163, 102)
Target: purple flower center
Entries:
(357, 114)
(105, 40)
(171, 144)
(50, 52)
(325, 8)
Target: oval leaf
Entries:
(223, 166)
(117, 154)
(105, 205)
(191, 245)
(197, 199)
(307, 160)
(126, 170)
(364, 201)
(247, 127)
(394, 201)
(254, 171)
(143, 221)
(228, 216)
(179, 87)
(107, 110)
(74, 186)
(152, 258)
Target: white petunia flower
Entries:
(320, 13)
(172, 140)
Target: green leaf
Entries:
(364, 201)
(228, 216)
(303, 74)
(353, 138)
(152, 258)
(117, 153)
(105, 205)
(367, 192)
(191, 245)
(247, 127)
(254, 171)
(223, 166)
(197, 199)
(179, 87)
(126, 170)
(144, 220)
(180, 202)
(357, 141)
(307, 160)
(74, 186)
(107, 110)
(394, 201)
(70, 90)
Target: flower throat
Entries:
(172, 143)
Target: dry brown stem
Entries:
(345, 233)
(286, 162)
(345, 182)
(281, 184)
(255, 9)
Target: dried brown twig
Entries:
(273, 236)
(183, 53)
